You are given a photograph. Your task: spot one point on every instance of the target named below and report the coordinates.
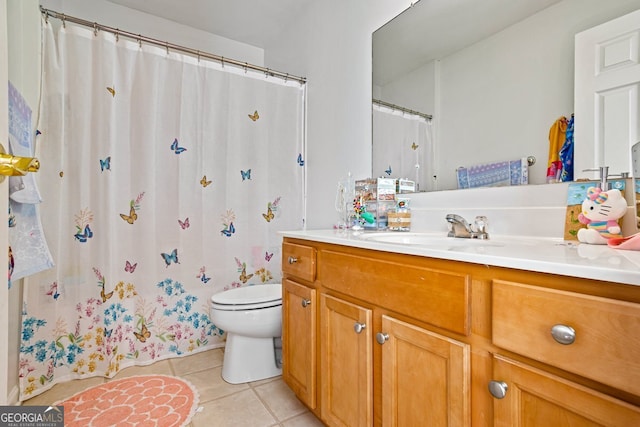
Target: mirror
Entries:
(495, 76)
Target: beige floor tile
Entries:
(210, 384)
(242, 409)
(161, 367)
(198, 362)
(255, 384)
(280, 399)
(305, 420)
(63, 391)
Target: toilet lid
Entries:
(249, 295)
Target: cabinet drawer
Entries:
(438, 297)
(299, 261)
(607, 331)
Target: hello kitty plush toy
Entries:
(600, 212)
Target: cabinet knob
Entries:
(359, 327)
(382, 338)
(498, 389)
(293, 260)
(563, 334)
(306, 302)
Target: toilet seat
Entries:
(248, 298)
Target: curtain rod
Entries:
(140, 38)
(404, 110)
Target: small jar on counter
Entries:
(400, 218)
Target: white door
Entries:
(5, 310)
(607, 95)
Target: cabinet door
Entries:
(535, 398)
(299, 308)
(425, 377)
(346, 362)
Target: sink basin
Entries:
(425, 239)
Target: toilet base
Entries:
(248, 359)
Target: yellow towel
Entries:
(556, 139)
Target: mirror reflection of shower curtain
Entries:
(403, 146)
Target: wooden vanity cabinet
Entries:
(400, 340)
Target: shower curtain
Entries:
(402, 146)
(165, 180)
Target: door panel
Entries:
(299, 340)
(607, 99)
(347, 364)
(426, 377)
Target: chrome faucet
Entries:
(459, 227)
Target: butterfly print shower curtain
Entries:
(165, 180)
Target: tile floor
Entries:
(266, 403)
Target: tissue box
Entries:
(378, 195)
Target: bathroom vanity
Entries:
(496, 333)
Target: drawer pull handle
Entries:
(498, 389)
(306, 303)
(292, 260)
(359, 327)
(382, 338)
(563, 334)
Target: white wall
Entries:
(6, 363)
(415, 90)
(116, 16)
(333, 50)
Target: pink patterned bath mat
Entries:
(148, 400)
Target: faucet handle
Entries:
(480, 224)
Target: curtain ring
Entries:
(140, 41)
(266, 74)
(167, 45)
(64, 21)
(95, 29)
(246, 65)
(198, 56)
(117, 35)
(222, 61)
(286, 77)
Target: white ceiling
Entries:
(254, 22)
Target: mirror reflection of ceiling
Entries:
(406, 43)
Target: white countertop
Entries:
(547, 255)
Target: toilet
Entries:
(252, 318)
